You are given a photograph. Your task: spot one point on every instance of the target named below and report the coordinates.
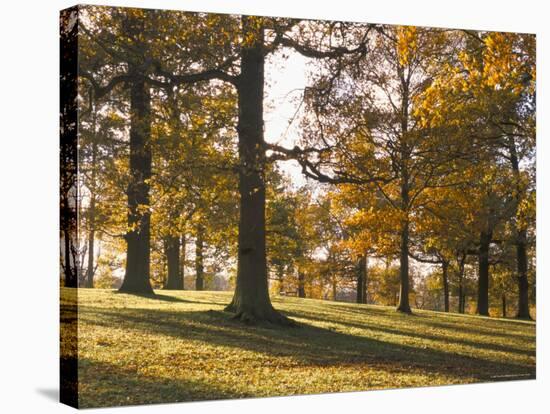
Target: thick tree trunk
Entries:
(174, 281)
(251, 302)
(445, 270)
(199, 258)
(136, 279)
(403, 305)
(483, 280)
(521, 240)
(301, 285)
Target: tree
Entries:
(491, 88)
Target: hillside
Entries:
(181, 346)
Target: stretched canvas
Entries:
(262, 206)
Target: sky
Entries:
(285, 83)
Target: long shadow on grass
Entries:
(416, 334)
(475, 325)
(103, 384)
(157, 296)
(310, 345)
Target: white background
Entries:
(28, 204)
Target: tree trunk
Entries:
(483, 280)
(136, 278)
(521, 240)
(71, 279)
(199, 258)
(91, 210)
(445, 270)
(174, 281)
(461, 259)
(366, 281)
(281, 277)
(251, 302)
(523, 283)
(90, 270)
(301, 285)
(403, 305)
(504, 305)
(361, 279)
(183, 246)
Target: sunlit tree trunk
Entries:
(251, 302)
(403, 305)
(136, 278)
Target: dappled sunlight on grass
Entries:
(181, 346)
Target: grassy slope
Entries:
(181, 346)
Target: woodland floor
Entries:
(182, 346)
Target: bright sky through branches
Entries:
(285, 83)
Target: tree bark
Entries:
(461, 294)
(68, 143)
(445, 271)
(183, 247)
(521, 240)
(91, 211)
(174, 281)
(301, 285)
(71, 279)
(483, 280)
(403, 305)
(361, 279)
(199, 258)
(91, 252)
(136, 278)
(251, 302)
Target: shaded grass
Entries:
(181, 346)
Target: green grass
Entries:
(181, 346)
